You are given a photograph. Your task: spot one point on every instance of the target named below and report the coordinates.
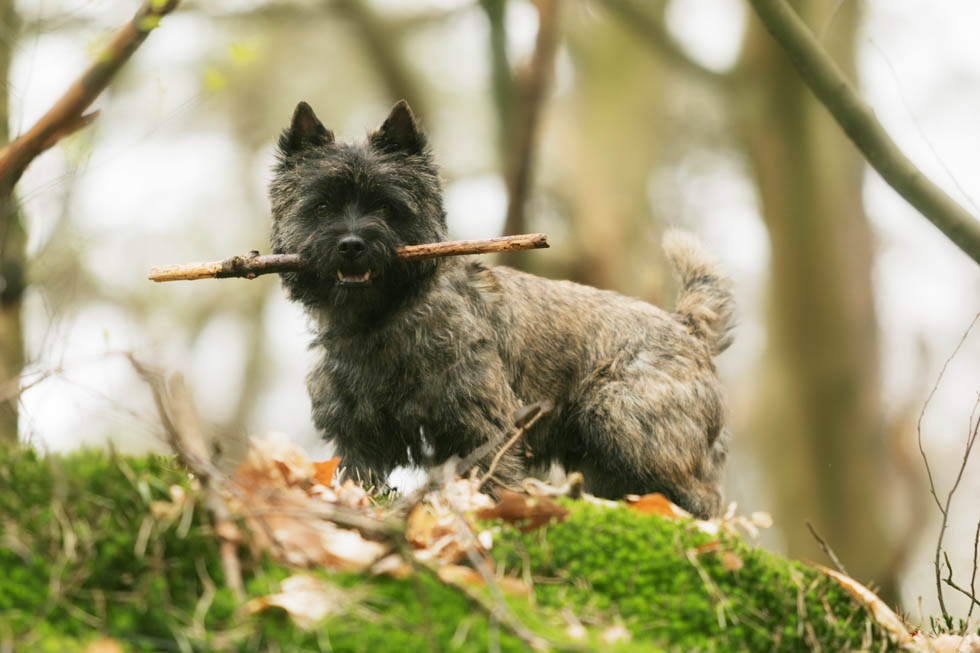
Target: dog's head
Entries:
(347, 207)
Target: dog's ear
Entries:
(399, 132)
(304, 132)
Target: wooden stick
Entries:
(252, 265)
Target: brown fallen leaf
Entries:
(656, 504)
(305, 598)
(103, 645)
(526, 513)
(459, 575)
(730, 561)
(947, 643)
(323, 471)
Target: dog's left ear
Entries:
(399, 132)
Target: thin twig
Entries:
(949, 581)
(971, 438)
(67, 115)
(973, 574)
(822, 75)
(528, 418)
(253, 265)
(826, 549)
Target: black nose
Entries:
(351, 247)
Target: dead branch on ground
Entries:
(253, 265)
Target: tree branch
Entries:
(68, 113)
(253, 265)
(970, 441)
(826, 80)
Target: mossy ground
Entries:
(81, 556)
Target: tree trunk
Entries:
(617, 140)
(819, 418)
(12, 247)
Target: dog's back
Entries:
(638, 406)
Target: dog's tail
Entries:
(705, 303)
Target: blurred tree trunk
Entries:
(616, 141)
(12, 247)
(819, 417)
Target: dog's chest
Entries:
(395, 376)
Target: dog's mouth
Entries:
(353, 279)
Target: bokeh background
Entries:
(637, 115)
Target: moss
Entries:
(81, 556)
(670, 582)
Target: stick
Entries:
(857, 119)
(252, 265)
(826, 549)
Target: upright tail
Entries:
(705, 303)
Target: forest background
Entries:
(600, 123)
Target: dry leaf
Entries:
(103, 645)
(323, 471)
(527, 513)
(730, 561)
(353, 495)
(305, 598)
(884, 615)
(708, 547)
(656, 504)
(951, 643)
(273, 463)
(393, 565)
(459, 575)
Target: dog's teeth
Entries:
(354, 278)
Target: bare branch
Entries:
(826, 549)
(970, 440)
(826, 80)
(973, 574)
(253, 265)
(949, 581)
(68, 113)
(528, 418)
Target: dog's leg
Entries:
(645, 431)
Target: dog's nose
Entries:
(351, 247)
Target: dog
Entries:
(420, 361)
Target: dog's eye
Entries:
(320, 211)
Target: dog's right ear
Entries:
(304, 132)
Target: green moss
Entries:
(668, 580)
(81, 556)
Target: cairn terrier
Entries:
(424, 360)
